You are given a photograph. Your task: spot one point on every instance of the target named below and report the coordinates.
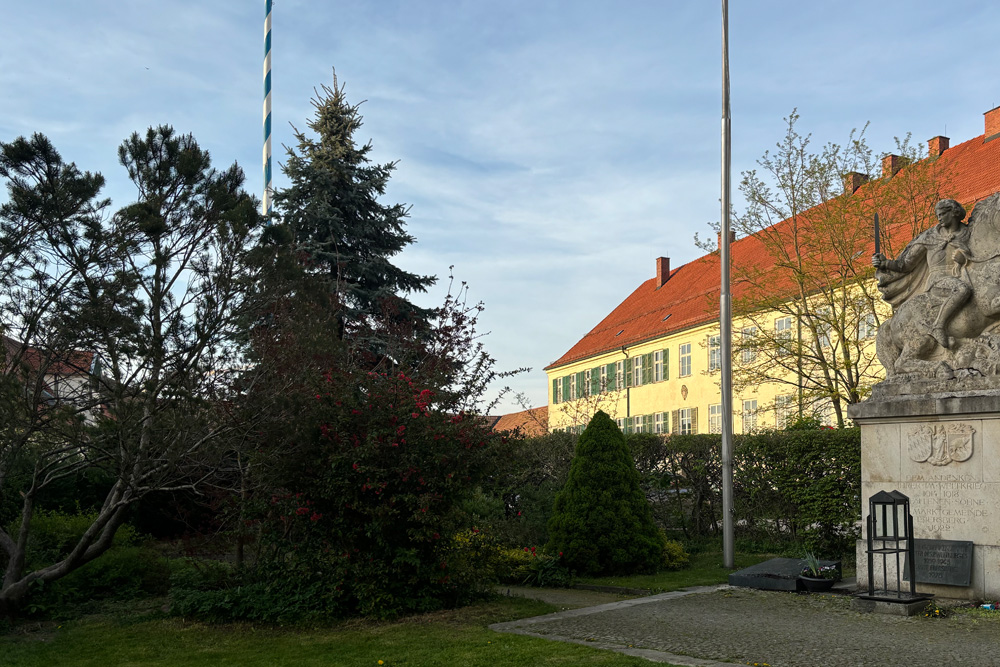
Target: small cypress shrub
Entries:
(601, 521)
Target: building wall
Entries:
(697, 390)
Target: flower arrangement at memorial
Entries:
(814, 570)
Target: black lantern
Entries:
(890, 536)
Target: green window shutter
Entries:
(565, 382)
(647, 423)
(581, 384)
(666, 364)
(555, 390)
(595, 381)
(666, 422)
(694, 420)
(628, 372)
(647, 368)
(612, 384)
(675, 421)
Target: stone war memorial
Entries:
(931, 429)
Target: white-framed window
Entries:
(782, 411)
(684, 421)
(621, 424)
(749, 335)
(714, 353)
(825, 414)
(587, 376)
(637, 424)
(557, 392)
(684, 360)
(620, 374)
(604, 377)
(782, 333)
(658, 367)
(572, 387)
(637, 370)
(715, 418)
(658, 423)
(867, 326)
(750, 416)
(823, 327)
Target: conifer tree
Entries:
(338, 226)
(601, 521)
(134, 316)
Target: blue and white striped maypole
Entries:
(267, 108)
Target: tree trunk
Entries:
(12, 598)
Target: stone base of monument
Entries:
(893, 608)
(777, 574)
(941, 450)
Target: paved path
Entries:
(565, 598)
(719, 626)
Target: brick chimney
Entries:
(662, 271)
(853, 180)
(937, 145)
(992, 122)
(732, 238)
(891, 164)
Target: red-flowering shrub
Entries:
(378, 477)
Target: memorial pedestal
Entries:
(943, 452)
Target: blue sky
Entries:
(550, 150)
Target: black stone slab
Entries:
(945, 562)
(777, 574)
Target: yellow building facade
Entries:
(672, 385)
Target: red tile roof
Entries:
(691, 296)
(532, 422)
(76, 362)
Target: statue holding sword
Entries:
(935, 258)
(944, 288)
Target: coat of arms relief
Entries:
(940, 444)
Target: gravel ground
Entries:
(714, 626)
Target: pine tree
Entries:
(338, 226)
(601, 521)
(138, 311)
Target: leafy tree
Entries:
(815, 237)
(118, 332)
(601, 521)
(528, 473)
(340, 229)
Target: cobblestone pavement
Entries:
(717, 626)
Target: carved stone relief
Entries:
(940, 444)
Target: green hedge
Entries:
(799, 484)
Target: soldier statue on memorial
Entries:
(945, 292)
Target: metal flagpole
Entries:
(267, 109)
(726, 314)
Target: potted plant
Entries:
(817, 578)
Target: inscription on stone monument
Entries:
(955, 509)
(947, 562)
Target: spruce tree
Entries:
(601, 521)
(340, 229)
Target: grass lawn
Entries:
(705, 569)
(457, 637)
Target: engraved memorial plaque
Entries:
(947, 562)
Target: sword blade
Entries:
(878, 239)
